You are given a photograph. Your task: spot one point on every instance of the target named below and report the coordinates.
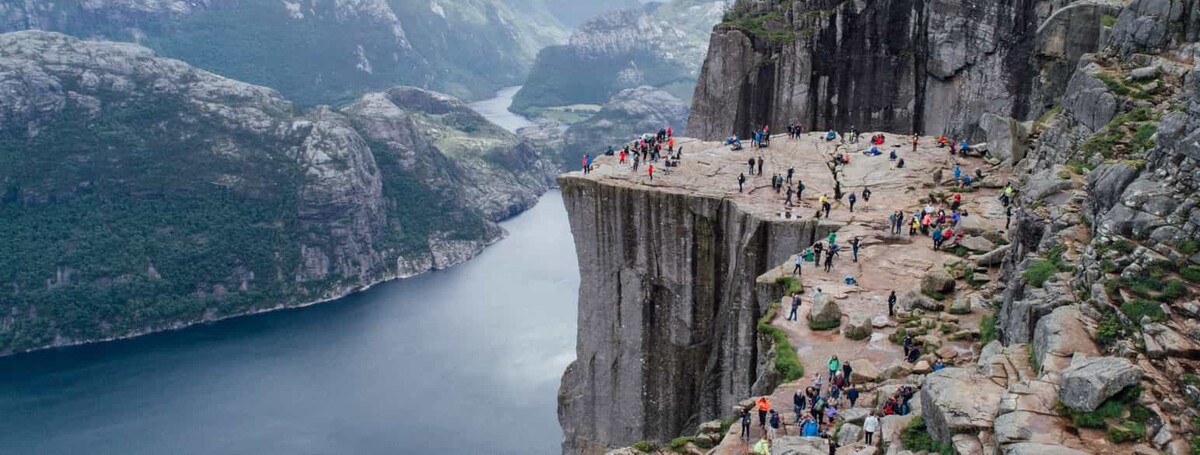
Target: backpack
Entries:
(820, 407)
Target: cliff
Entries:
(322, 51)
(928, 66)
(668, 306)
(142, 194)
(659, 44)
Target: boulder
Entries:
(961, 305)
(1162, 341)
(913, 300)
(890, 428)
(973, 225)
(796, 445)
(1059, 336)
(921, 367)
(849, 434)
(897, 369)
(1031, 448)
(977, 244)
(1006, 137)
(1087, 383)
(991, 258)
(957, 400)
(858, 328)
(1144, 73)
(825, 310)
(937, 280)
(713, 427)
(863, 371)
(967, 444)
(855, 415)
(881, 322)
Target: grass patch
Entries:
(786, 362)
(1114, 85)
(1174, 290)
(1140, 308)
(1039, 272)
(1108, 20)
(645, 446)
(1109, 329)
(679, 443)
(790, 284)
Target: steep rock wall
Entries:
(668, 308)
(930, 66)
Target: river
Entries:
(466, 360)
(496, 110)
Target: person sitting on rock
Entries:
(937, 366)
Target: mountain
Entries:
(138, 193)
(659, 44)
(319, 51)
(572, 13)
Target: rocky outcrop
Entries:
(958, 400)
(627, 115)
(658, 44)
(243, 202)
(900, 65)
(1087, 383)
(1059, 336)
(667, 317)
(321, 51)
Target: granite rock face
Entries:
(934, 66)
(668, 310)
(958, 400)
(1087, 383)
(386, 187)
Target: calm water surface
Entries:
(496, 110)
(461, 361)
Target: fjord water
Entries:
(496, 110)
(465, 360)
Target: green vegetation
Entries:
(916, 438)
(787, 364)
(935, 295)
(1123, 418)
(1108, 20)
(768, 25)
(645, 446)
(987, 329)
(1140, 308)
(791, 285)
(1191, 273)
(1109, 329)
(823, 326)
(1041, 270)
(681, 442)
(1189, 247)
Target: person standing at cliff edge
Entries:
(650, 172)
(751, 163)
(892, 305)
(741, 181)
(760, 164)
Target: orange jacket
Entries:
(763, 404)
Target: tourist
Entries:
(892, 156)
(899, 164)
(741, 180)
(915, 138)
(809, 428)
(760, 165)
(942, 142)
(1007, 217)
(870, 426)
(852, 394)
(795, 306)
(866, 193)
(853, 199)
(799, 190)
(956, 203)
(751, 163)
(957, 174)
(789, 196)
(831, 413)
(586, 163)
(650, 172)
(799, 404)
(746, 424)
(892, 304)
(623, 154)
(826, 206)
(799, 260)
(937, 239)
(816, 384)
(774, 428)
(819, 410)
(937, 366)
(829, 259)
(834, 365)
(791, 171)
(764, 405)
(855, 244)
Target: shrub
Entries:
(917, 438)
(1140, 308)
(1126, 431)
(1174, 290)
(935, 295)
(1039, 272)
(1189, 247)
(1109, 329)
(1191, 273)
(987, 329)
(1108, 20)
